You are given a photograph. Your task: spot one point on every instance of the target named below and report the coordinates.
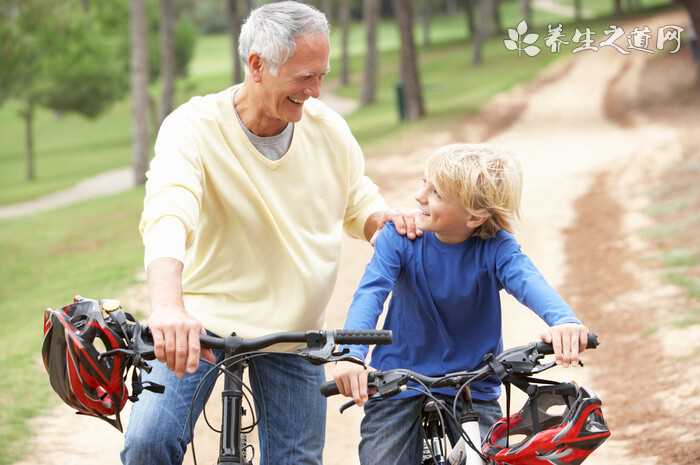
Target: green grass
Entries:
(680, 257)
(690, 284)
(91, 249)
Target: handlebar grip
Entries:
(545, 348)
(363, 336)
(329, 388)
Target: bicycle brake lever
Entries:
(319, 349)
(539, 368)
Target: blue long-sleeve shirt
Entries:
(445, 310)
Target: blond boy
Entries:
(445, 309)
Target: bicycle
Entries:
(512, 367)
(130, 344)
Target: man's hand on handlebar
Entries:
(351, 380)
(568, 340)
(176, 339)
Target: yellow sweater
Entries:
(259, 239)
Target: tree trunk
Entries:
(693, 7)
(469, 11)
(484, 27)
(617, 8)
(234, 30)
(425, 21)
(497, 24)
(450, 7)
(526, 7)
(28, 115)
(327, 8)
(413, 93)
(370, 12)
(139, 89)
(167, 57)
(577, 10)
(344, 17)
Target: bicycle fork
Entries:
(462, 452)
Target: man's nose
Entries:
(314, 90)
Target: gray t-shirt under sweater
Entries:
(272, 147)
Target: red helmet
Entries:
(90, 383)
(561, 438)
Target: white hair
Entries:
(270, 31)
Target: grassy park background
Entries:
(93, 247)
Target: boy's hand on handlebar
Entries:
(351, 380)
(568, 340)
(176, 339)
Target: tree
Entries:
(413, 93)
(693, 7)
(526, 10)
(56, 57)
(577, 10)
(617, 8)
(344, 17)
(139, 88)
(425, 17)
(370, 12)
(234, 30)
(327, 8)
(167, 57)
(484, 28)
(469, 12)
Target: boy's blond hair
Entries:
(485, 180)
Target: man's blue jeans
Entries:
(392, 433)
(289, 407)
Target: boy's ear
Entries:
(477, 218)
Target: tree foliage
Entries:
(55, 58)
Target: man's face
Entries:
(297, 79)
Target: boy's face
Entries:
(450, 222)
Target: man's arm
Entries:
(175, 332)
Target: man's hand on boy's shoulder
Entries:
(404, 221)
(568, 340)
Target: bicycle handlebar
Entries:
(237, 345)
(545, 348)
(521, 360)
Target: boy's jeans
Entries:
(289, 407)
(392, 434)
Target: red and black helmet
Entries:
(562, 425)
(74, 339)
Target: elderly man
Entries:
(246, 200)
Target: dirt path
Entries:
(563, 141)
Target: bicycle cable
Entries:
(464, 436)
(219, 366)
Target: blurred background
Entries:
(608, 139)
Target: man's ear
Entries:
(255, 66)
(477, 218)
